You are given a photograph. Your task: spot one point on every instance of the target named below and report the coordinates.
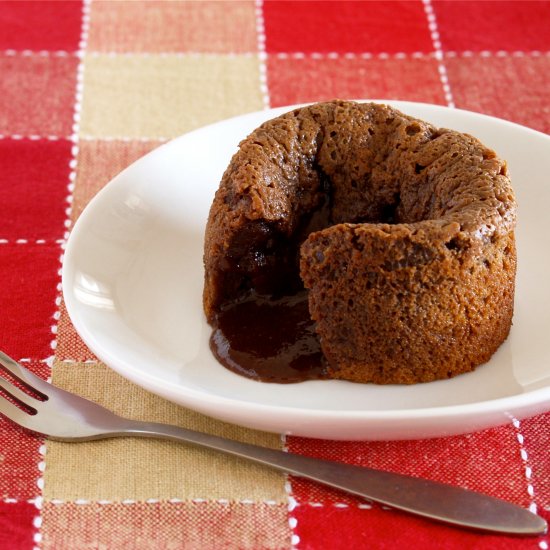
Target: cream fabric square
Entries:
(169, 26)
(141, 469)
(165, 95)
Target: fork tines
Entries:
(15, 403)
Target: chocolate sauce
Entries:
(267, 339)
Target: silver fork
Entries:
(63, 416)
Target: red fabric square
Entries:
(19, 451)
(165, 525)
(38, 95)
(346, 27)
(35, 176)
(488, 461)
(536, 434)
(40, 25)
(502, 25)
(514, 88)
(294, 81)
(28, 289)
(377, 528)
(16, 525)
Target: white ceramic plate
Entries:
(133, 276)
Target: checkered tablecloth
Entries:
(88, 87)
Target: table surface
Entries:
(86, 89)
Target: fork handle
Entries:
(422, 497)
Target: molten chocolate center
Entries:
(268, 339)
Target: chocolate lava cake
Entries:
(393, 238)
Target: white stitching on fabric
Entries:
(31, 241)
(85, 25)
(49, 360)
(262, 56)
(83, 361)
(85, 137)
(282, 55)
(38, 502)
(34, 137)
(406, 55)
(525, 459)
(292, 503)
(84, 29)
(39, 53)
(286, 55)
(436, 40)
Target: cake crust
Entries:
(402, 232)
